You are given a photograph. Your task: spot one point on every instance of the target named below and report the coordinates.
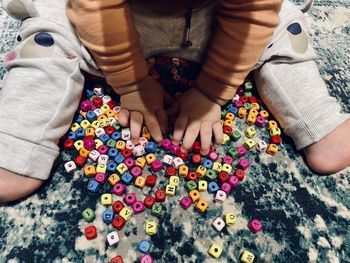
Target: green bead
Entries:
(247, 106)
(210, 175)
(248, 86)
(111, 143)
(248, 94)
(235, 135)
(233, 153)
(88, 215)
(223, 113)
(190, 185)
(116, 126)
(157, 210)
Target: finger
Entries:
(163, 121)
(173, 110)
(136, 119)
(124, 117)
(168, 99)
(205, 134)
(153, 127)
(179, 129)
(190, 135)
(218, 133)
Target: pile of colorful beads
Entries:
(107, 156)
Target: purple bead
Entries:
(241, 151)
(119, 189)
(130, 198)
(174, 149)
(227, 159)
(136, 171)
(89, 144)
(240, 91)
(138, 207)
(103, 149)
(166, 143)
(129, 163)
(156, 166)
(100, 178)
(85, 105)
(226, 187)
(146, 259)
(243, 164)
(233, 181)
(260, 121)
(255, 226)
(186, 202)
(238, 104)
(213, 156)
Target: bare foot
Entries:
(14, 186)
(332, 153)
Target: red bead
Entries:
(196, 159)
(196, 147)
(191, 175)
(68, 144)
(117, 259)
(151, 180)
(239, 173)
(149, 201)
(127, 153)
(118, 222)
(80, 161)
(182, 155)
(109, 130)
(90, 232)
(276, 139)
(112, 104)
(252, 99)
(160, 195)
(97, 101)
(223, 176)
(227, 130)
(170, 171)
(118, 206)
(244, 99)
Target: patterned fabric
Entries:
(305, 216)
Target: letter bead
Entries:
(201, 205)
(117, 259)
(168, 159)
(170, 190)
(218, 224)
(140, 182)
(130, 198)
(247, 257)
(157, 210)
(138, 207)
(202, 185)
(90, 232)
(146, 259)
(186, 202)
(220, 196)
(88, 215)
(149, 201)
(177, 162)
(151, 228)
(144, 246)
(113, 238)
(255, 226)
(183, 171)
(126, 213)
(70, 166)
(215, 250)
(230, 219)
(174, 180)
(261, 146)
(272, 149)
(106, 199)
(107, 216)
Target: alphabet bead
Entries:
(233, 181)
(186, 202)
(160, 195)
(272, 149)
(113, 238)
(113, 179)
(138, 207)
(144, 246)
(215, 250)
(156, 166)
(151, 180)
(107, 216)
(122, 168)
(201, 205)
(202, 185)
(138, 151)
(140, 182)
(70, 166)
(177, 162)
(150, 158)
(190, 185)
(247, 257)
(130, 198)
(201, 171)
(146, 259)
(230, 219)
(90, 232)
(218, 224)
(243, 164)
(249, 144)
(118, 206)
(151, 228)
(213, 187)
(255, 226)
(250, 132)
(106, 199)
(174, 180)
(275, 131)
(136, 171)
(235, 135)
(183, 171)
(103, 159)
(93, 186)
(119, 189)
(217, 167)
(126, 213)
(88, 215)
(271, 124)
(117, 259)
(157, 210)
(140, 162)
(261, 146)
(149, 201)
(168, 159)
(220, 196)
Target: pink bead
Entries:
(238, 103)
(174, 149)
(129, 163)
(156, 166)
(100, 178)
(136, 171)
(255, 226)
(146, 259)
(89, 144)
(243, 164)
(241, 151)
(119, 189)
(85, 105)
(227, 159)
(213, 156)
(103, 149)
(138, 207)
(186, 202)
(240, 91)
(233, 181)
(260, 121)
(226, 187)
(143, 141)
(130, 198)
(93, 107)
(166, 143)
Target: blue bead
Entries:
(127, 178)
(213, 187)
(72, 135)
(144, 246)
(233, 109)
(208, 163)
(79, 118)
(104, 138)
(111, 166)
(107, 216)
(91, 116)
(119, 159)
(89, 93)
(151, 147)
(112, 152)
(80, 133)
(93, 186)
(116, 136)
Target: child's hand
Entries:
(144, 104)
(197, 114)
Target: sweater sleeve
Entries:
(106, 28)
(244, 29)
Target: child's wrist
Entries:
(214, 99)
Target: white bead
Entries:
(218, 224)
(103, 158)
(98, 112)
(177, 161)
(113, 238)
(70, 166)
(112, 120)
(261, 146)
(220, 196)
(236, 97)
(93, 155)
(126, 134)
(106, 99)
(143, 141)
(138, 150)
(98, 90)
(99, 132)
(116, 109)
(129, 145)
(168, 159)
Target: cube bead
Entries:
(220, 196)
(215, 250)
(247, 257)
(157, 210)
(151, 228)
(255, 226)
(170, 190)
(230, 219)
(90, 232)
(201, 205)
(113, 238)
(144, 246)
(202, 185)
(126, 213)
(272, 149)
(88, 215)
(186, 202)
(138, 207)
(218, 224)
(106, 199)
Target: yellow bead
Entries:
(264, 114)
(202, 205)
(215, 250)
(170, 190)
(242, 112)
(202, 185)
(75, 126)
(225, 139)
(113, 179)
(230, 219)
(250, 132)
(247, 257)
(140, 182)
(228, 123)
(226, 168)
(83, 113)
(150, 158)
(253, 112)
(98, 143)
(250, 120)
(95, 124)
(174, 180)
(101, 168)
(151, 228)
(183, 171)
(104, 108)
(256, 106)
(275, 131)
(194, 195)
(249, 144)
(140, 162)
(271, 124)
(120, 145)
(85, 124)
(217, 167)
(110, 113)
(201, 170)
(78, 145)
(122, 168)
(272, 149)
(83, 152)
(230, 116)
(89, 170)
(126, 213)
(90, 132)
(106, 199)
(105, 123)
(101, 118)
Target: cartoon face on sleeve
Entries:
(298, 38)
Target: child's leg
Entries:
(291, 86)
(39, 97)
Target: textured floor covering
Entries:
(306, 217)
